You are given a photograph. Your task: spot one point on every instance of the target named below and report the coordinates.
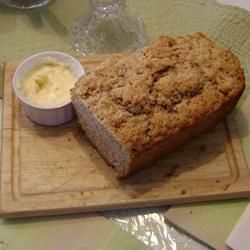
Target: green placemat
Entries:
(64, 233)
(25, 32)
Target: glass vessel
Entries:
(26, 4)
(111, 28)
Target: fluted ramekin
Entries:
(52, 115)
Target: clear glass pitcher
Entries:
(111, 28)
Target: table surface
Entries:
(54, 27)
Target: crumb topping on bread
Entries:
(145, 97)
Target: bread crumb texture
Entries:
(145, 97)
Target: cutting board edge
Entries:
(12, 213)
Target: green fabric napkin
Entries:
(23, 33)
(71, 232)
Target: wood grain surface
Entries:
(54, 170)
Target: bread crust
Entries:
(150, 102)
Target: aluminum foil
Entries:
(150, 226)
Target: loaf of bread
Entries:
(139, 107)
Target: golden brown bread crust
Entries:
(152, 101)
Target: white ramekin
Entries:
(53, 115)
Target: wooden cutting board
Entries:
(54, 170)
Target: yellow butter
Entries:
(48, 83)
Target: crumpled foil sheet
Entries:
(150, 226)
